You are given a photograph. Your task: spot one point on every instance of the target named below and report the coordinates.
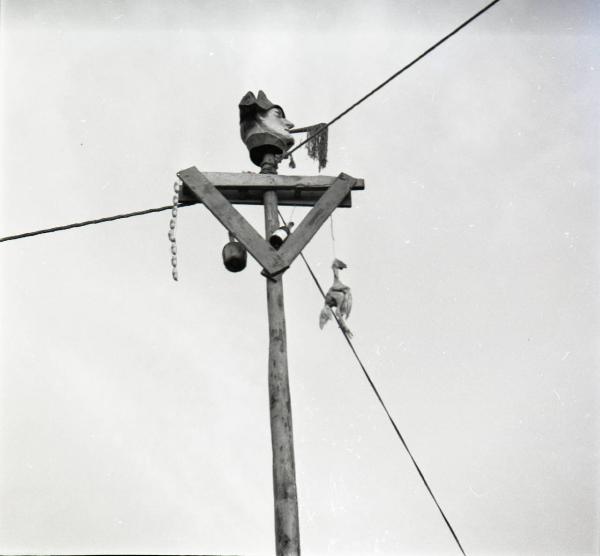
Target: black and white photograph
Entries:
(313, 277)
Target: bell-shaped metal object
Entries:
(277, 238)
(235, 255)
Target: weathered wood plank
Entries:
(271, 182)
(248, 188)
(287, 197)
(316, 217)
(221, 208)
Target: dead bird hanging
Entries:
(338, 300)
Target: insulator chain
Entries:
(172, 228)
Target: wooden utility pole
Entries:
(218, 191)
(287, 529)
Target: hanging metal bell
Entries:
(235, 256)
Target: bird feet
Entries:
(344, 326)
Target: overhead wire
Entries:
(348, 340)
(322, 128)
(287, 154)
(383, 405)
(91, 222)
(332, 235)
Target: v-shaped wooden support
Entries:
(225, 213)
(271, 260)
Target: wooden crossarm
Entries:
(248, 188)
(225, 213)
(335, 191)
(311, 223)
(273, 182)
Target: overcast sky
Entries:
(134, 410)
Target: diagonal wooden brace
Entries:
(273, 262)
(311, 223)
(225, 213)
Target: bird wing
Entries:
(330, 298)
(345, 328)
(346, 305)
(324, 316)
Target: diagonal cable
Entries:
(91, 222)
(392, 77)
(326, 126)
(389, 416)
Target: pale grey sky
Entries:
(134, 410)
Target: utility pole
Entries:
(219, 191)
(287, 529)
(285, 494)
(266, 132)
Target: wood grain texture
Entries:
(248, 189)
(287, 197)
(225, 213)
(270, 182)
(325, 198)
(315, 218)
(287, 530)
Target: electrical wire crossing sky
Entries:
(135, 410)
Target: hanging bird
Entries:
(338, 300)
